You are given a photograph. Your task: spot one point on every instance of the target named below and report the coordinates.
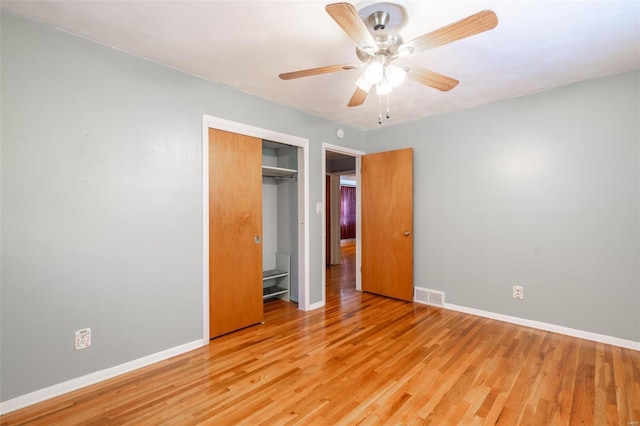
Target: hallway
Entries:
(341, 279)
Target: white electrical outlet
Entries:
(83, 338)
(518, 292)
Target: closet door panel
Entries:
(235, 232)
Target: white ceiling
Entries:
(537, 45)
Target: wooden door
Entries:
(387, 223)
(235, 232)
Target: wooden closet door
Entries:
(235, 232)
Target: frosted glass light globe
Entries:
(394, 75)
(374, 72)
(383, 87)
(363, 84)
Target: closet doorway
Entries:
(302, 219)
(341, 216)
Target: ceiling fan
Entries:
(378, 44)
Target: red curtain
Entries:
(347, 212)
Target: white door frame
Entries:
(303, 203)
(357, 154)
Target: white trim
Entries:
(95, 377)
(316, 305)
(205, 230)
(303, 237)
(587, 335)
(323, 219)
(256, 132)
(303, 209)
(357, 154)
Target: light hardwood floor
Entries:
(365, 359)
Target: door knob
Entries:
(256, 239)
(407, 233)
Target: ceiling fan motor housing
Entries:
(387, 44)
(383, 19)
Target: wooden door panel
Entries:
(387, 223)
(235, 219)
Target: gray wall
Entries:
(101, 201)
(540, 191)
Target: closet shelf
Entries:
(273, 291)
(278, 172)
(275, 282)
(273, 273)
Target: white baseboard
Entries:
(587, 335)
(316, 306)
(93, 378)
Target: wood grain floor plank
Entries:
(364, 359)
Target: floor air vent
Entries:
(428, 297)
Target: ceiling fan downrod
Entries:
(379, 20)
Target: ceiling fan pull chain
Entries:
(388, 111)
(379, 110)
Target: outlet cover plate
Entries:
(83, 339)
(518, 292)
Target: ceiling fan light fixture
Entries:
(373, 27)
(383, 88)
(363, 84)
(395, 75)
(374, 72)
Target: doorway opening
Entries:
(341, 215)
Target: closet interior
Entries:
(279, 221)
